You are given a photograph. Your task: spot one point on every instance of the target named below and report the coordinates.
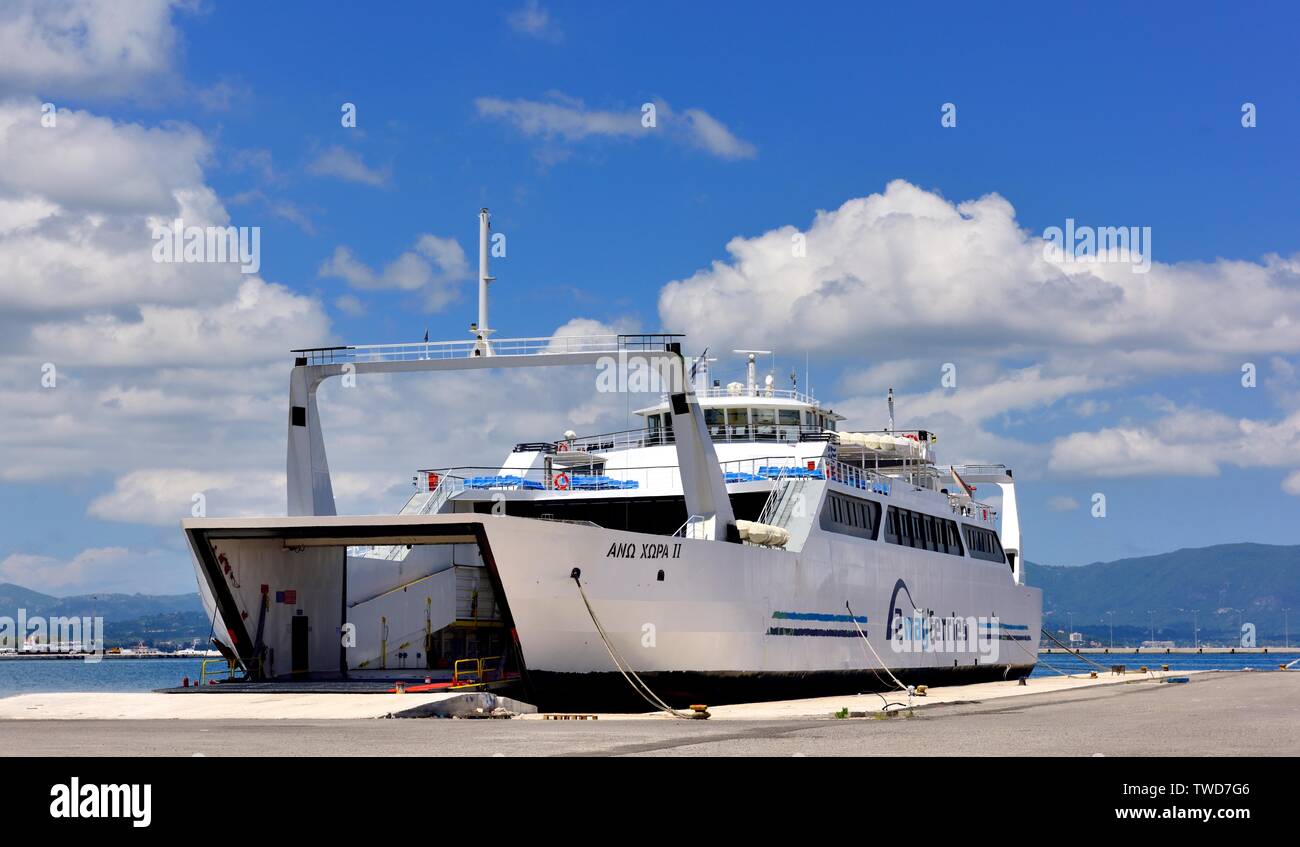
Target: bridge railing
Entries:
(466, 348)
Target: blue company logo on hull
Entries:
(924, 631)
(1007, 631)
(817, 617)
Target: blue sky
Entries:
(922, 242)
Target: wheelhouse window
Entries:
(715, 420)
(738, 421)
(659, 429)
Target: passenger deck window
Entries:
(851, 516)
(907, 528)
(984, 544)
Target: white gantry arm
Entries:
(703, 485)
(310, 491)
(309, 487)
(1000, 475)
(1011, 530)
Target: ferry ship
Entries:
(742, 543)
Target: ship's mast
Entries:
(482, 328)
(751, 371)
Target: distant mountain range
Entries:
(1228, 585)
(116, 606)
(1219, 588)
(129, 619)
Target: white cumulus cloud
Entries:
(85, 47)
(435, 266)
(1181, 442)
(564, 120)
(348, 165)
(100, 570)
(533, 20)
(880, 272)
(1061, 503)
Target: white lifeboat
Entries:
(763, 534)
(881, 442)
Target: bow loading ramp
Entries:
(287, 601)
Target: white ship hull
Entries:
(737, 622)
(727, 622)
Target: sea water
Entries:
(37, 676)
(1050, 663)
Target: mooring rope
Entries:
(883, 666)
(1038, 659)
(1071, 650)
(639, 685)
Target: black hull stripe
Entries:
(609, 691)
(799, 630)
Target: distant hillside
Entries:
(1228, 584)
(128, 618)
(109, 606)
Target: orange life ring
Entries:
(560, 481)
(562, 447)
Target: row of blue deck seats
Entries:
(605, 483)
(770, 472)
(585, 483)
(502, 482)
(601, 483)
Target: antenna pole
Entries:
(484, 227)
(751, 372)
(891, 410)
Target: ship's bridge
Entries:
(745, 411)
(733, 414)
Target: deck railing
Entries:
(470, 347)
(880, 483)
(630, 439)
(446, 483)
(595, 476)
(760, 392)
